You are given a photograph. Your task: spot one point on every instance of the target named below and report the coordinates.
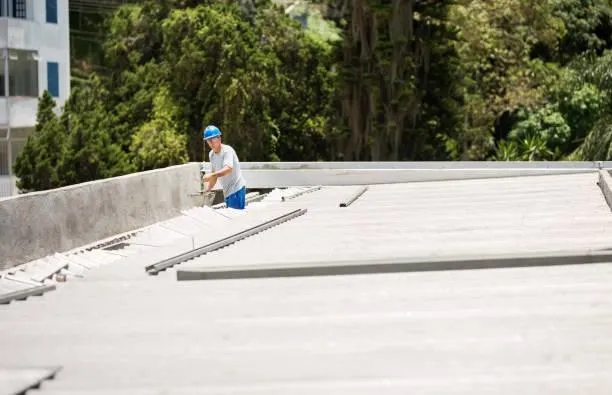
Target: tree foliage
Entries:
(333, 80)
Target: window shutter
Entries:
(53, 78)
(51, 11)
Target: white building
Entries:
(34, 57)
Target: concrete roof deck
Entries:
(534, 330)
(449, 219)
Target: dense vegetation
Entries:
(366, 80)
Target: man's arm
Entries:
(228, 161)
(216, 174)
(211, 178)
(223, 172)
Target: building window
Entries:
(19, 9)
(23, 74)
(14, 8)
(53, 78)
(51, 11)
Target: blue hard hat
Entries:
(211, 131)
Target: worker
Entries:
(225, 166)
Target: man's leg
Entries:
(237, 199)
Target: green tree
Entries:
(393, 54)
(36, 166)
(263, 80)
(90, 153)
(588, 27)
(496, 41)
(158, 143)
(543, 133)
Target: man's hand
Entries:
(210, 180)
(210, 177)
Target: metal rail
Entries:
(23, 294)
(167, 263)
(300, 193)
(354, 197)
(19, 381)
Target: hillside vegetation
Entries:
(334, 80)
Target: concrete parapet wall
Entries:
(433, 165)
(338, 177)
(36, 224)
(289, 174)
(605, 183)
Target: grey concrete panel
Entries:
(605, 183)
(421, 165)
(392, 265)
(338, 177)
(535, 330)
(542, 330)
(42, 223)
(521, 216)
(46, 269)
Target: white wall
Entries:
(53, 46)
(52, 41)
(7, 186)
(22, 111)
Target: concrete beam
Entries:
(339, 177)
(37, 224)
(420, 165)
(288, 174)
(393, 265)
(605, 183)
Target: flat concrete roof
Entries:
(534, 330)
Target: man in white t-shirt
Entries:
(225, 166)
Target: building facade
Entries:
(34, 57)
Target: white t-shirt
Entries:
(233, 181)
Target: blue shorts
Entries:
(237, 199)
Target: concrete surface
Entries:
(434, 221)
(536, 330)
(505, 331)
(37, 224)
(605, 183)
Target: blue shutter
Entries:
(53, 78)
(51, 11)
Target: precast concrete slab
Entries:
(426, 165)
(467, 332)
(435, 221)
(331, 177)
(540, 330)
